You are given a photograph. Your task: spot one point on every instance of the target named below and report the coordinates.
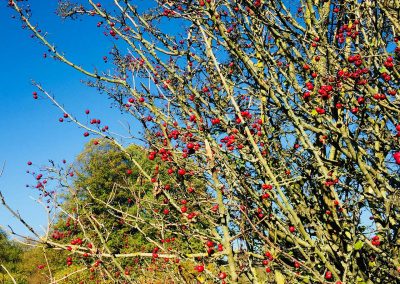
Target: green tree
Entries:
(109, 205)
(106, 179)
(10, 256)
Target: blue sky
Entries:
(30, 128)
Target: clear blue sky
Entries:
(29, 128)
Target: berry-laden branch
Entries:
(270, 144)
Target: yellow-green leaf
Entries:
(358, 245)
(280, 279)
(372, 264)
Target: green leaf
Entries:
(383, 70)
(358, 245)
(372, 264)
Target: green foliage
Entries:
(10, 255)
(103, 178)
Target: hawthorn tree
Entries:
(284, 114)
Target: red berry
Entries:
(266, 186)
(354, 110)
(396, 156)
(320, 110)
(265, 196)
(222, 275)
(328, 275)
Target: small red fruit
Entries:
(222, 275)
(328, 275)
